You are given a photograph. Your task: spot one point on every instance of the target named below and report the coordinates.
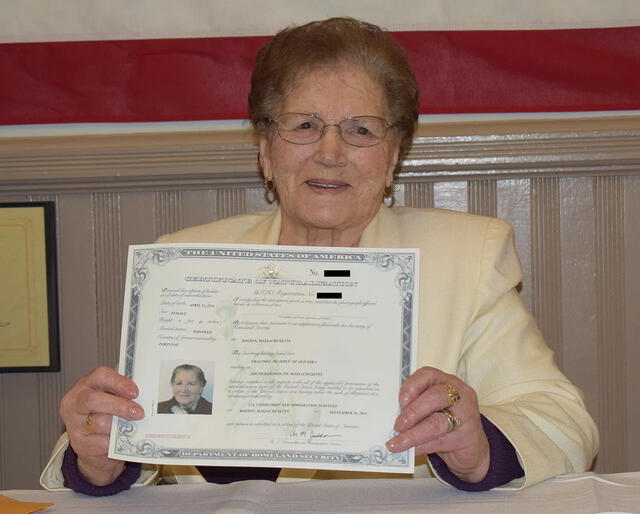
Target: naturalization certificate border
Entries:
(304, 350)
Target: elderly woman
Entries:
(334, 104)
(187, 383)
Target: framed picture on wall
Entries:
(29, 338)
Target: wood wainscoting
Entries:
(570, 187)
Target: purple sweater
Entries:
(503, 468)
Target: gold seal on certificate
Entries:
(268, 356)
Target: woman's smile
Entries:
(327, 186)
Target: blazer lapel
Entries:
(267, 232)
(383, 231)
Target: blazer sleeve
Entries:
(52, 479)
(520, 388)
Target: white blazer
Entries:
(472, 323)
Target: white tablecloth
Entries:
(583, 493)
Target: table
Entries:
(579, 493)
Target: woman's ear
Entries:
(264, 159)
(393, 164)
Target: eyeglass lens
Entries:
(302, 129)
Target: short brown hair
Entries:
(296, 50)
(190, 367)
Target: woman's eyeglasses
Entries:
(303, 129)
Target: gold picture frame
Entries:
(29, 337)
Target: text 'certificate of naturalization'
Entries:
(268, 356)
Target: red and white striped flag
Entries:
(71, 61)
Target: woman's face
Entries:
(186, 387)
(330, 184)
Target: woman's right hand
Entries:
(87, 410)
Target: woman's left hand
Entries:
(462, 445)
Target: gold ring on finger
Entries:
(453, 420)
(454, 395)
(88, 422)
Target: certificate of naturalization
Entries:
(279, 356)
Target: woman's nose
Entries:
(330, 149)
